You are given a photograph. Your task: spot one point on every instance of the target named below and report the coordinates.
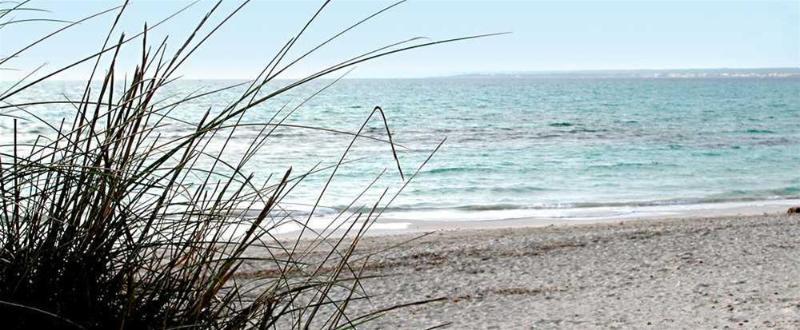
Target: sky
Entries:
(545, 36)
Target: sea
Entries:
(501, 147)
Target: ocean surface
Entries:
(514, 147)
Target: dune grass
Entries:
(105, 222)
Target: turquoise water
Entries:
(527, 143)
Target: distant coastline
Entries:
(712, 73)
(648, 73)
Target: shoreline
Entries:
(732, 271)
(388, 225)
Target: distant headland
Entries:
(649, 73)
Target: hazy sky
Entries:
(546, 35)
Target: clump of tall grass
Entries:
(105, 222)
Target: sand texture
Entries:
(679, 273)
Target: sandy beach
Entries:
(734, 271)
(472, 164)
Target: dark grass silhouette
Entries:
(105, 223)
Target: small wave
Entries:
(711, 154)
(586, 130)
(289, 210)
(759, 131)
(548, 136)
(774, 142)
(786, 193)
(456, 170)
(561, 124)
(779, 193)
(515, 190)
(630, 165)
(489, 207)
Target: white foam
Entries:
(601, 213)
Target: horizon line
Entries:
(488, 73)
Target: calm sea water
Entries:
(522, 144)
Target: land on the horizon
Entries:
(787, 72)
(777, 72)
